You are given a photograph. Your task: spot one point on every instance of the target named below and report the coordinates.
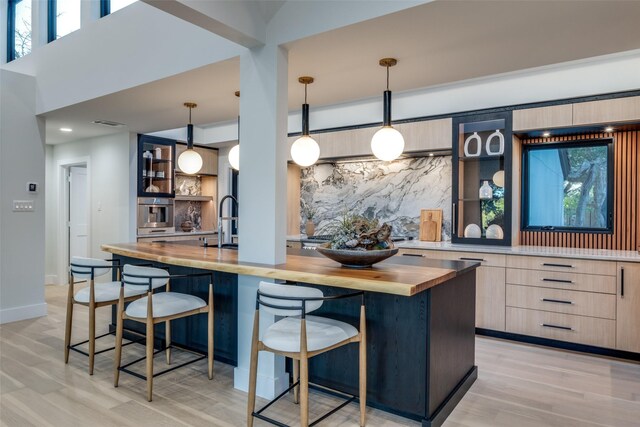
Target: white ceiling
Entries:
(436, 43)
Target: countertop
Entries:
(180, 233)
(397, 275)
(545, 251)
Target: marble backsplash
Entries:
(392, 192)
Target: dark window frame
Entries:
(524, 217)
(11, 29)
(105, 8)
(52, 25)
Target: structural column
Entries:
(262, 197)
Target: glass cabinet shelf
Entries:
(155, 166)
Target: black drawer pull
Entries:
(559, 301)
(548, 264)
(621, 282)
(418, 255)
(564, 328)
(472, 259)
(556, 280)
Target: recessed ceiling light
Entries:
(608, 129)
(546, 134)
(66, 130)
(430, 154)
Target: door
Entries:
(78, 212)
(628, 307)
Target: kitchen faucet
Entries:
(221, 218)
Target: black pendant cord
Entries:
(189, 133)
(386, 115)
(305, 114)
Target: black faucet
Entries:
(228, 218)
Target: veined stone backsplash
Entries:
(188, 211)
(393, 192)
(188, 185)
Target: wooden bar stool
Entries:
(157, 308)
(93, 296)
(301, 337)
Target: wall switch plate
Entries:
(23, 205)
(32, 187)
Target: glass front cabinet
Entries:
(156, 159)
(482, 155)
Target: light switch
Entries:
(23, 205)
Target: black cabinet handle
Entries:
(548, 325)
(547, 264)
(559, 301)
(621, 282)
(418, 255)
(556, 280)
(471, 259)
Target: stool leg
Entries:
(150, 339)
(210, 335)
(167, 329)
(304, 376)
(253, 370)
(68, 326)
(296, 377)
(363, 368)
(118, 350)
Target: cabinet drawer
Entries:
(569, 281)
(566, 265)
(563, 327)
(560, 301)
(490, 295)
(488, 260)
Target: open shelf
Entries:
(194, 198)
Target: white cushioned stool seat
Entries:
(107, 292)
(284, 335)
(165, 304)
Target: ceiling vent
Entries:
(107, 123)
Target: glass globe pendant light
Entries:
(234, 153)
(190, 161)
(387, 143)
(305, 150)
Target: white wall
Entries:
(110, 184)
(22, 160)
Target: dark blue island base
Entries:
(420, 348)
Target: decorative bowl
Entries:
(356, 259)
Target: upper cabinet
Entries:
(156, 158)
(429, 135)
(606, 111)
(482, 171)
(209, 158)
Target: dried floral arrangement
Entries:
(355, 232)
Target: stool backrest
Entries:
(277, 295)
(81, 267)
(135, 276)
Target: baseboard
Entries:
(266, 387)
(51, 279)
(15, 314)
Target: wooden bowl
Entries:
(356, 259)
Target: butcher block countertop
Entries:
(397, 275)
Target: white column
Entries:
(262, 193)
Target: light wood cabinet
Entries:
(209, 159)
(628, 307)
(490, 298)
(607, 111)
(568, 281)
(562, 265)
(555, 116)
(429, 135)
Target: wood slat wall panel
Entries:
(626, 233)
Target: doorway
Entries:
(78, 212)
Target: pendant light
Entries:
(234, 153)
(190, 161)
(305, 150)
(387, 143)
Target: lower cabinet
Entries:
(490, 298)
(628, 307)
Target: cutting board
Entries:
(431, 225)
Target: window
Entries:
(64, 17)
(19, 29)
(110, 6)
(568, 186)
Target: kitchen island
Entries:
(420, 320)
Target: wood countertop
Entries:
(397, 275)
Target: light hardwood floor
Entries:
(518, 386)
